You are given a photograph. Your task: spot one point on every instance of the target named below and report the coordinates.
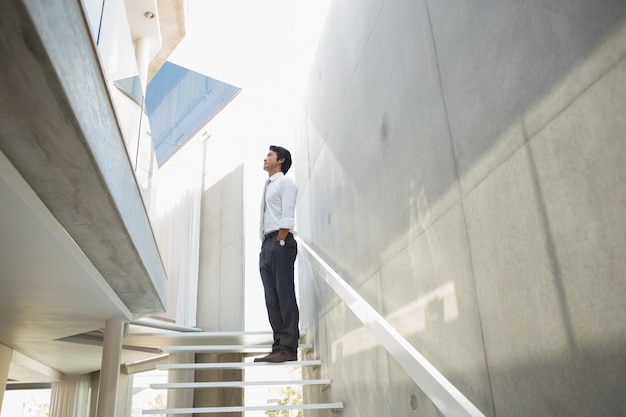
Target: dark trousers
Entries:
(276, 265)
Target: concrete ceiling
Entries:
(49, 288)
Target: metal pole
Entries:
(6, 353)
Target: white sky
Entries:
(266, 49)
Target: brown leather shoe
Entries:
(263, 359)
(279, 355)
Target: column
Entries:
(110, 369)
(181, 398)
(142, 54)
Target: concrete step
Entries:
(241, 409)
(247, 343)
(226, 348)
(238, 384)
(234, 365)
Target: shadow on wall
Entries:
(487, 77)
(527, 378)
(436, 307)
(421, 115)
(410, 111)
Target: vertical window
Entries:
(144, 397)
(26, 403)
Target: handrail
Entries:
(445, 396)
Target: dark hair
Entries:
(282, 153)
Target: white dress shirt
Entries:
(279, 206)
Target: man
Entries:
(278, 254)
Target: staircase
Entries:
(248, 346)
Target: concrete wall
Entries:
(221, 282)
(460, 164)
(221, 274)
(218, 397)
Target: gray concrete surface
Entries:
(59, 131)
(461, 166)
(218, 397)
(221, 274)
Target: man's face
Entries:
(270, 163)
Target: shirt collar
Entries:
(276, 176)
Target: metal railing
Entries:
(445, 396)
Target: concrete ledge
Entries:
(60, 132)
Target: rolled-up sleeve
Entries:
(289, 194)
(278, 209)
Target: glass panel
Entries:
(179, 102)
(144, 397)
(131, 86)
(26, 403)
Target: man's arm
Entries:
(289, 193)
